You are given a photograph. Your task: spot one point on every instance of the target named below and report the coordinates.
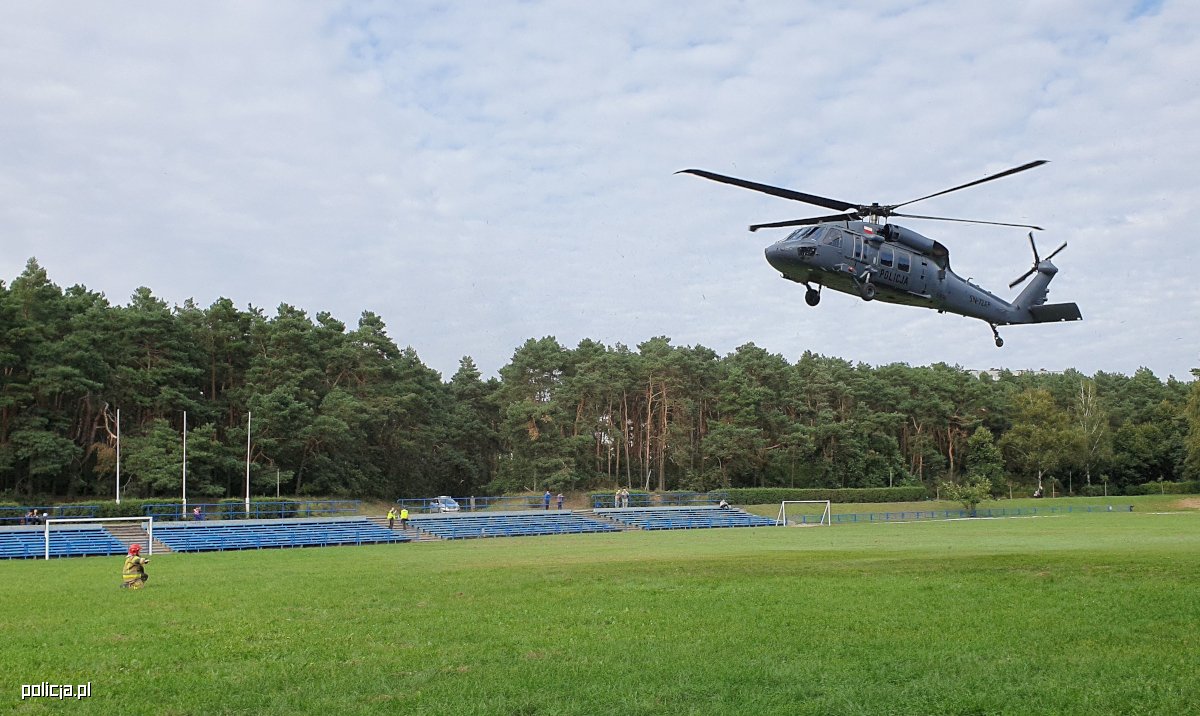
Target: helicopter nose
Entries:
(775, 256)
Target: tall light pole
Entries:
(118, 456)
(183, 514)
(247, 462)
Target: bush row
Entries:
(230, 508)
(768, 495)
(771, 495)
(1169, 488)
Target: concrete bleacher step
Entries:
(411, 532)
(623, 526)
(127, 534)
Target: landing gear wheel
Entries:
(812, 297)
(868, 291)
(999, 340)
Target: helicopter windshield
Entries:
(804, 232)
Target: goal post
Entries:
(820, 515)
(145, 518)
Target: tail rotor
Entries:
(1036, 261)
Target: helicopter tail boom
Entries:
(1033, 299)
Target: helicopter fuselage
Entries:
(894, 264)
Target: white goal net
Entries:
(804, 512)
(148, 527)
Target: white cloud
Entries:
(478, 175)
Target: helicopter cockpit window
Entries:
(885, 256)
(903, 262)
(833, 237)
(802, 233)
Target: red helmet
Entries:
(135, 548)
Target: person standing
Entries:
(560, 500)
(197, 515)
(546, 499)
(391, 517)
(403, 518)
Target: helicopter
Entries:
(859, 252)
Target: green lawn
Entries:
(1081, 614)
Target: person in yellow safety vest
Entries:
(404, 518)
(134, 573)
(391, 517)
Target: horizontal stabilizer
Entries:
(1055, 312)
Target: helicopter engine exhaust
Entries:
(917, 242)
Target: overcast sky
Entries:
(483, 173)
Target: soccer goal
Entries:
(149, 527)
(804, 512)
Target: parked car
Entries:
(443, 503)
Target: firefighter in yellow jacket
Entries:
(133, 575)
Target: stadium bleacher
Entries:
(30, 542)
(79, 540)
(268, 534)
(508, 524)
(684, 518)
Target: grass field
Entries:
(1075, 614)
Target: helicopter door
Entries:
(854, 250)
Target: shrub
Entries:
(127, 508)
(769, 495)
(637, 498)
(1191, 487)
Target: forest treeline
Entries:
(343, 411)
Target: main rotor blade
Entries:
(965, 221)
(993, 177)
(773, 190)
(807, 222)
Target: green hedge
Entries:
(127, 508)
(637, 498)
(769, 495)
(772, 495)
(670, 498)
(1169, 488)
(234, 506)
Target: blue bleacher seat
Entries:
(210, 536)
(72, 541)
(508, 524)
(676, 518)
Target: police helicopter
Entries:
(857, 251)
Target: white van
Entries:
(443, 503)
